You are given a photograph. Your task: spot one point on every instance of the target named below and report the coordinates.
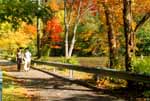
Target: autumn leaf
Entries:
(53, 28)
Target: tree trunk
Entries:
(111, 38)
(129, 37)
(73, 41)
(129, 34)
(38, 32)
(38, 38)
(66, 43)
(70, 46)
(66, 29)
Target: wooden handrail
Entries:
(101, 71)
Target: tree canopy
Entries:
(16, 11)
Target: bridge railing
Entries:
(98, 71)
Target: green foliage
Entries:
(90, 37)
(9, 97)
(16, 11)
(72, 60)
(44, 58)
(147, 93)
(143, 40)
(45, 50)
(32, 47)
(90, 23)
(141, 65)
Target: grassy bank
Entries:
(13, 91)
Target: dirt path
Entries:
(49, 88)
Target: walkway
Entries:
(49, 88)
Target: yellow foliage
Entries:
(60, 16)
(53, 4)
(15, 91)
(87, 35)
(133, 25)
(10, 40)
(14, 39)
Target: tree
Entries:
(90, 37)
(74, 10)
(11, 40)
(17, 11)
(111, 36)
(114, 22)
(130, 31)
(52, 36)
(111, 17)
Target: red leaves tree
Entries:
(52, 33)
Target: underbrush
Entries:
(141, 65)
(12, 91)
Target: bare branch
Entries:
(89, 6)
(142, 21)
(70, 15)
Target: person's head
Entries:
(18, 49)
(26, 49)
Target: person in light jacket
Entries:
(27, 59)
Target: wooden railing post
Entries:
(71, 73)
(97, 75)
(35, 65)
(43, 66)
(54, 70)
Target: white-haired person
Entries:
(27, 59)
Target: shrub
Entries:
(141, 65)
(73, 60)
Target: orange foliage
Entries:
(54, 28)
(29, 29)
(141, 6)
(54, 6)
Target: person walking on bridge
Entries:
(27, 59)
(19, 57)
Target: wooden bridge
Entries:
(65, 88)
(100, 71)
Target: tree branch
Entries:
(89, 6)
(142, 21)
(70, 15)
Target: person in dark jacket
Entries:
(19, 57)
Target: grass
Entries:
(12, 91)
(65, 72)
(141, 65)
(85, 61)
